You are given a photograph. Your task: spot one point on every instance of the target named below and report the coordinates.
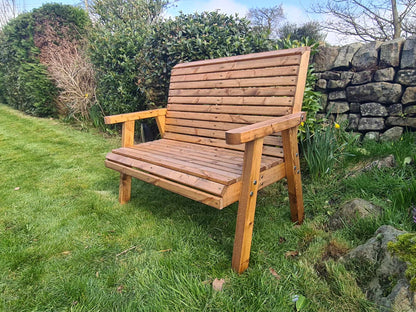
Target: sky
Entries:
(296, 11)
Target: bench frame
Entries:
(253, 137)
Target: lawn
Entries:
(67, 245)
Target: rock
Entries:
(345, 55)
(353, 121)
(324, 102)
(372, 136)
(325, 58)
(395, 109)
(346, 75)
(373, 109)
(386, 74)
(409, 95)
(337, 95)
(408, 59)
(367, 56)
(321, 84)
(381, 92)
(351, 211)
(330, 75)
(406, 77)
(371, 124)
(390, 53)
(386, 285)
(337, 107)
(337, 84)
(355, 107)
(401, 121)
(410, 110)
(362, 77)
(393, 134)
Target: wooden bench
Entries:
(229, 129)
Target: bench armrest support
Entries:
(261, 129)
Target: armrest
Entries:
(264, 128)
(134, 116)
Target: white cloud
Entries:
(295, 15)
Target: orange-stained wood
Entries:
(262, 129)
(247, 205)
(134, 116)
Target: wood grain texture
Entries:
(134, 116)
(247, 205)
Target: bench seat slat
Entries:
(212, 174)
(177, 176)
(178, 188)
(249, 73)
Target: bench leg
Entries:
(294, 183)
(247, 205)
(124, 189)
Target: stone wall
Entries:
(373, 85)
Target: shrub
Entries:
(190, 37)
(118, 34)
(24, 79)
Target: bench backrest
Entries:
(207, 98)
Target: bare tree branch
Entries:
(369, 19)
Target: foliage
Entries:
(311, 98)
(24, 79)
(311, 30)
(324, 147)
(188, 38)
(117, 38)
(266, 20)
(405, 249)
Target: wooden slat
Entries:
(197, 195)
(190, 180)
(300, 89)
(218, 117)
(209, 67)
(249, 73)
(216, 164)
(260, 91)
(219, 134)
(273, 101)
(235, 83)
(267, 150)
(251, 56)
(211, 174)
(234, 155)
(248, 110)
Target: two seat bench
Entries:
(229, 129)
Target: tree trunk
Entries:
(397, 24)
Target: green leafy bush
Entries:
(190, 37)
(24, 80)
(117, 38)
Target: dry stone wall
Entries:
(372, 85)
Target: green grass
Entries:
(63, 233)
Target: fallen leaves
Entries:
(292, 254)
(218, 284)
(274, 273)
(120, 289)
